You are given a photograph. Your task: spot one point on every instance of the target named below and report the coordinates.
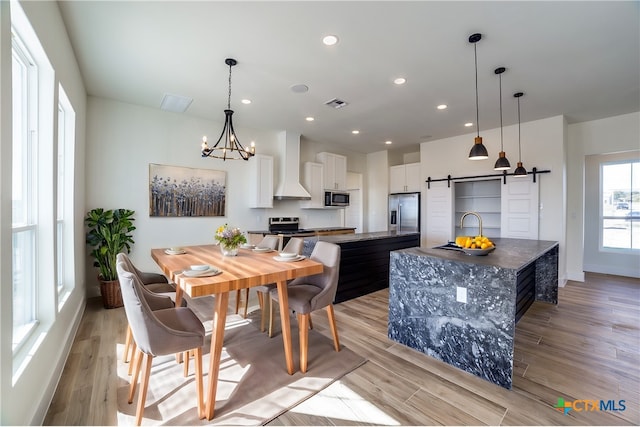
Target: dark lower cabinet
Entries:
(364, 264)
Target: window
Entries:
(620, 209)
(64, 187)
(24, 191)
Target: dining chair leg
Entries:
(187, 355)
(271, 316)
(246, 302)
(127, 345)
(334, 329)
(197, 356)
(263, 314)
(303, 331)
(135, 362)
(260, 300)
(142, 396)
(237, 300)
(134, 349)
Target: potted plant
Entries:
(109, 233)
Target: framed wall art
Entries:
(179, 191)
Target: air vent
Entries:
(336, 103)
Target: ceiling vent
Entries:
(336, 103)
(175, 103)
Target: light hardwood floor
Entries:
(586, 347)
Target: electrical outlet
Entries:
(461, 294)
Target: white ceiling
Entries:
(580, 59)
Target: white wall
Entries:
(610, 135)
(123, 139)
(543, 146)
(377, 194)
(24, 399)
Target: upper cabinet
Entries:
(312, 179)
(261, 182)
(404, 178)
(335, 170)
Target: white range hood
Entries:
(289, 187)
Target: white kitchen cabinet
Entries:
(261, 179)
(313, 182)
(335, 170)
(404, 178)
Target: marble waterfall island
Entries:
(427, 312)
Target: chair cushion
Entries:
(265, 288)
(185, 328)
(165, 289)
(300, 297)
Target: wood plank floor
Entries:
(586, 347)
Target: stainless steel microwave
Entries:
(336, 198)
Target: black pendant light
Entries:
(478, 151)
(231, 148)
(520, 170)
(502, 164)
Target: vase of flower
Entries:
(228, 250)
(229, 239)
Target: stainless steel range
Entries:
(288, 226)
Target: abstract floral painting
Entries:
(180, 191)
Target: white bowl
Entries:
(176, 249)
(288, 254)
(199, 267)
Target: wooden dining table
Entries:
(246, 270)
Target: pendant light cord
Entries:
(475, 53)
(229, 98)
(519, 148)
(501, 144)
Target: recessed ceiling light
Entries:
(246, 101)
(309, 119)
(299, 88)
(468, 125)
(400, 81)
(388, 142)
(442, 107)
(355, 131)
(330, 40)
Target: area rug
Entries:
(253, 386)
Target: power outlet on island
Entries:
(461, 294)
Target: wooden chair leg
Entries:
(187, 355)
(246, 302)
(142, 396)
(271, 315)
(334, 329)
(127, 345)
(136, 359)
(197, 355)
(266, 301)
(303, 328)
(237, 300)
(260, 300)
(134, 349)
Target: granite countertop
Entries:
(312, 229)
(356, 237)
(509, 253)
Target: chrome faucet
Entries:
(477, 215)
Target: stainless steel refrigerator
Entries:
(404, 212)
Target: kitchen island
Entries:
(462, 309)
(364, 259)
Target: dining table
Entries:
(247, 269)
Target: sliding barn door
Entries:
(519, 212)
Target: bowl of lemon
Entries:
(475, 245)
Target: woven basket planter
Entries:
(111, 294)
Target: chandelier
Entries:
(230, 148)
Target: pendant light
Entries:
(502, 164)
(478, 151)
(232, 149)
(520, 170)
